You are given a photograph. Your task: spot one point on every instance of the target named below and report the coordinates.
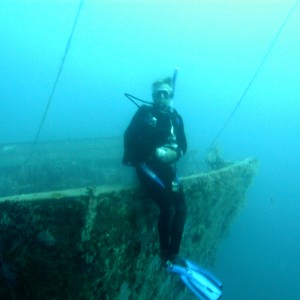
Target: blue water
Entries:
(123, 46)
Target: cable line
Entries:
(256, 72)
(60, 68)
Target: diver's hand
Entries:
(165, 154)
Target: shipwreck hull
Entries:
(102, 243)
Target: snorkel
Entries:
(174, 80)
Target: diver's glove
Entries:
(165, 154)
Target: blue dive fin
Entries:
(202, 283)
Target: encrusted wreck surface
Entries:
(101, 243)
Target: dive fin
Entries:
(202, 283)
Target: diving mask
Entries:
(162, 94)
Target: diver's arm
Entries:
(182, 143)
(132, 138)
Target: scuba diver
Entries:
(153, 142)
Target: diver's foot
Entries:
(177, 260)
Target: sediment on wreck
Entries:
(101, 243)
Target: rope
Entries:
(256, 72)
(56, 80)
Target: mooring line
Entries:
(273, 42)
(60, 68)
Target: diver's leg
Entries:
(162, 196)
(178, 222)
(164, 225)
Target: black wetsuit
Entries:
(148, 130)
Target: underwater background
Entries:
(123, 46)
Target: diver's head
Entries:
(162, 94)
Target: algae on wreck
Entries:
(101, 243)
